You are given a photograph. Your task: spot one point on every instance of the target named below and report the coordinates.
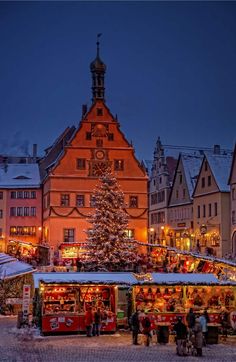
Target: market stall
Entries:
(64, 299)
(168, 295)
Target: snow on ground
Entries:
(112, 348)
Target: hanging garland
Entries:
(68, 214)
(136, 217)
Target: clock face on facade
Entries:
(100, 155)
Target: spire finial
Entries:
(98, 43)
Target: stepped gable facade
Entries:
(97, 144)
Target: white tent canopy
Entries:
(11, 267)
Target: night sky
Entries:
(171, 70)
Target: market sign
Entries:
(26, 300)
(181, 225)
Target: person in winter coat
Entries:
(203, 322)
(181, 337)
(97, 319)
(135, 327)
(190, 319)
(89, 321)
(197, 330)
(146, 327)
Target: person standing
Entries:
(135, 327)
(203, 322)
(89, 321)
(97, 322)
(181, 337)
(146, 326)
(190, 318)
(197, 330)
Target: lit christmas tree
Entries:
(108, 245)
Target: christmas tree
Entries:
(108, 245)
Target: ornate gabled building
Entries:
(232, 184)
(212, 204)
(180, 212)
(97, 143)
(160, 183)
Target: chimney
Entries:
(35, 146)
(216, 150)
(84, 109)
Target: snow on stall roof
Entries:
(19, 175)
(191, 165)
(84, 278)
(125, 278)
(220, 166)
(188, 278)
(11, 267)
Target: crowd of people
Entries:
(190, 336)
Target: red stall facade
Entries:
(64, 299)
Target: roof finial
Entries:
(98, 36)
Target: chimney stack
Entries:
(216, 150)
(35, 146)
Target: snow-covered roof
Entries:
(19, 175)
(11, 267)
(125, 278)
(220, 166)
(191, 165)
(188, 278)
(85, 278)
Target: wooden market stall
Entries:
(165, 296)
(63, 299)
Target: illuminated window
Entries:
(80, 162)
(118, 165)
(80, 200)
(133, 201)
(65, 200)
(129, 233)
(69, 235)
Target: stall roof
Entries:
(85, 278)
(188, 278)
(126, 278)
(11, 267)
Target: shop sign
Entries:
(181, 225)
(203, 229)
(26, 300)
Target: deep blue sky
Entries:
(171, 70)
